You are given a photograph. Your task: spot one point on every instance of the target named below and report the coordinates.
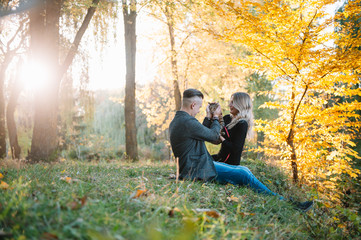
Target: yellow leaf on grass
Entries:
(139, 193)
(4, 185)
(233, 198)
(1, 176)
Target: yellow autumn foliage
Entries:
(313, 61)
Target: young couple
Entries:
(188, 136)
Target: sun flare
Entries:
(36, 75)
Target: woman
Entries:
(238, 125)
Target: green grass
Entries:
(40, 204)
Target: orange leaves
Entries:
(208, 212)
(66, 179)
(138, 193)
(4, 185)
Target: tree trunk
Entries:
(129, 16)
(290, 139)
(291, 134)
(13, 136)
(173, 57)
(7, 59)
(45, 136)
(2, 119)
(45, 31)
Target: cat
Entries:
(212, 107)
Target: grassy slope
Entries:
(39, 204)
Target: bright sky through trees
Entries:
(107, 66)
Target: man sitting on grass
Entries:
(187, 138)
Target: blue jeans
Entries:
(240, 175)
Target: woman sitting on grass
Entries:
(238, 125)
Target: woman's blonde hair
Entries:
(243, 103)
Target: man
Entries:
(187, 137)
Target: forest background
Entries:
(299, 60)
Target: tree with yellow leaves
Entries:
(294, 42)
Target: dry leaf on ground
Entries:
(66, 179)
(4, 185)
(173, 211)
(209, 212)
(139, 193)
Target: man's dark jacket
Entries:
(187, 137)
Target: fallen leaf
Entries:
(208, 212)
(327, 205)
(49, 236)
(233, 198)
(213, 214)
(83, 200)
(66, 179)
(77, 203)
(4, 185)
(1, 176)
(341, 225)
(139, 193)
(172, 211)
(243, 214)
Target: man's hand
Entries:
(209, 114)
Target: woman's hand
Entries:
(222, 138)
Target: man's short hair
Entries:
(191, 92)
(190, 95)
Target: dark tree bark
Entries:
(8, 56)
(291, 134)
(44, 141)
(9, 53)
(10, 120)
(129, 16)
(45, 36)
(4, 65)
